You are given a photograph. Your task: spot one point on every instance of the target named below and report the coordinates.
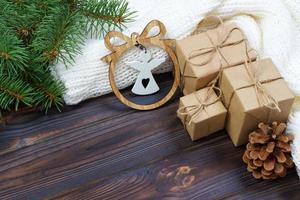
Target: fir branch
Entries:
(7, 13)
(34, 34)
(35, 71)
(59, 38)
(46, 6)
(24, 17)
(49, 93)
(14, 91)
(13, 56)
(105, 15)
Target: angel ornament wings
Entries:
(145, 83)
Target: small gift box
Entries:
(202, 113)
(253, 93)
(201, 56)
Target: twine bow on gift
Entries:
(213, 50)
(193, 111)
(135, 39)
(263, 97)
(216, 48)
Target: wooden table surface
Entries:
(101, 149)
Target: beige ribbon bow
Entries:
(263, 97)
(144, 38)
(216, 48)
(194, 110)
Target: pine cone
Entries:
(268, 153)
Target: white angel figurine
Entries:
(145, 83)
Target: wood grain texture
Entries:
(95, 150)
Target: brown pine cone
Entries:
(268, 153)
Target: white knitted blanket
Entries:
(271, 26)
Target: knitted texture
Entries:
(271, 26)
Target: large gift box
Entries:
(202, 113)
(201, 56)
(254, 93)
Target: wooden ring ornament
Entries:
(143, 39)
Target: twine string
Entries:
(193, 111)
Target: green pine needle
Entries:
(8, 14)
(105, 15)
(59, 38)
(13, 55)
(14, 91)
(49, 93)
(35, 34)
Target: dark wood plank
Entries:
(103, 149)
(83, 149)
(210, 169)
(26, 130)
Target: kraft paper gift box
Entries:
(198, 71)
(247, 106)
(202, 113)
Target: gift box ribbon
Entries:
(213, 50)
(193, 111)
(263, 97)
(216, 48)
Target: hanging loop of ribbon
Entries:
(193, 111)
(135, 37)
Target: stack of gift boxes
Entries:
(227, 86)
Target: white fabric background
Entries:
(272, 28)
